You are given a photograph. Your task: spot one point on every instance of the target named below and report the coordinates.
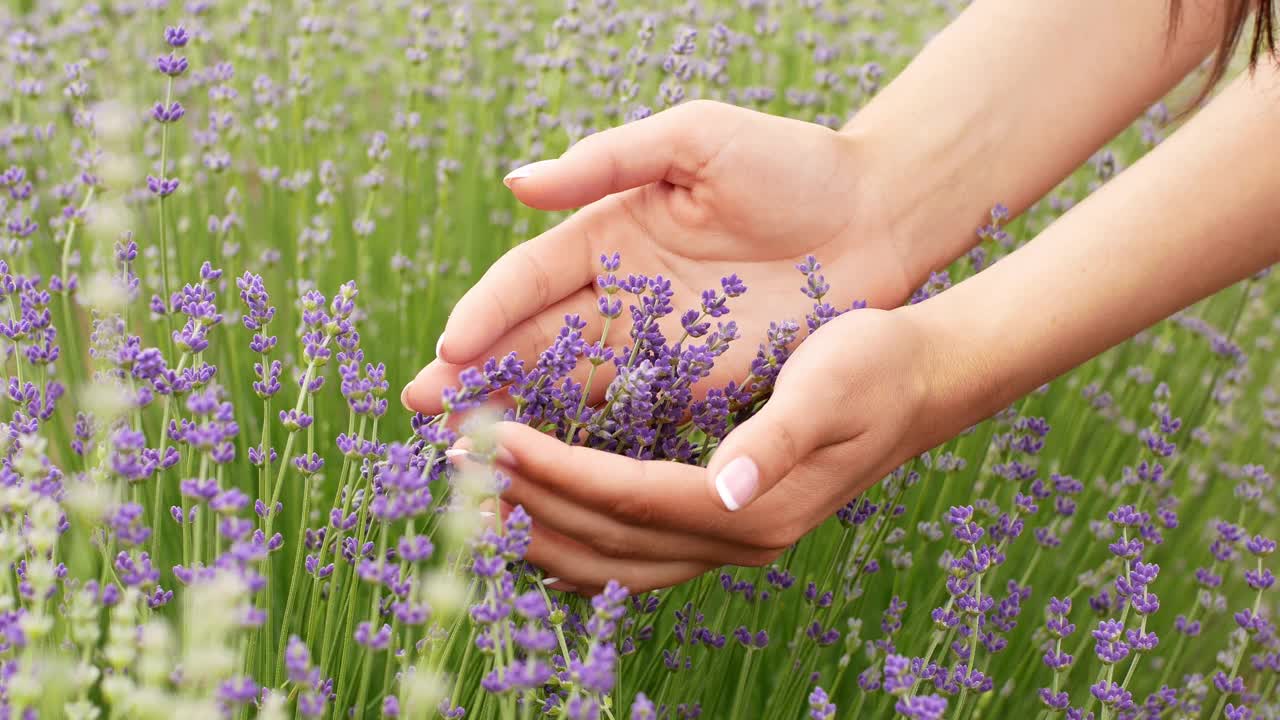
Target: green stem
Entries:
(164, 231)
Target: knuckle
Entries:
(503, 304)
(633, 508)
(541, 277)
(544, 332)
(788, 448)
(615, 172)
(613, 542)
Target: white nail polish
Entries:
(486, 514)
(550, 580)
(523, 171)
(725, 496)
(439, 344)
(736, 484)
(455, 453)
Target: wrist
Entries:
(958, 371)
(922, 184)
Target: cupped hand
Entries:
(694, 193)
(598, 516)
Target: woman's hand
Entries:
(693, 194)
(598, 516)
(703, 189)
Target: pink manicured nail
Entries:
(524, 171)
(521, 172)
(439, 345)
(737, 482)
(456, 453)
(404, 396)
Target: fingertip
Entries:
(513, 178)
(451, 347)
(535, 185)
(422, 393)
(503, 457)
(520, 439)
(510, 432)
(410, 400)
(511, 440)
(451, 354)
(552, 185)
(470, 328)
(416, 401)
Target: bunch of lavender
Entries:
(649, 410)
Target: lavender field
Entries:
(232, 230)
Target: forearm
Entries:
(1008, 100)
(1199, 213)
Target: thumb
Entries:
(757, 454)
(638, 153)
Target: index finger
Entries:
(522, 283)
(528, 341)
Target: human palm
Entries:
(692, 194)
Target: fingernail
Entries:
(502, 456)
(550, 580)
(404, 396)
(486, 514)
(523, 171)
(439, 344)
(737, 482)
